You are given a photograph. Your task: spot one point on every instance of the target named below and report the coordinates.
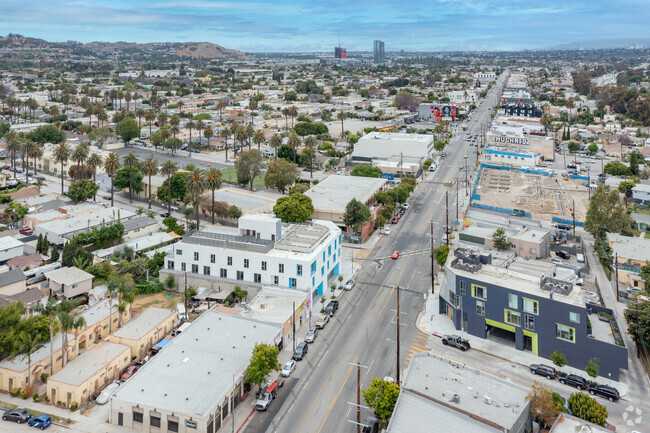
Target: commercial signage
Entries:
(388, 176)
(510, 140)
(190, 424)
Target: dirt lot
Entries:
(543, 196)
(157, 299)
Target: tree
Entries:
(79, 155)
(405, 100)
(542, 405)
(573, 146)
(593, 148)
(500, 239)
(195, 187)
(131, 162)
(310, 150)
(54, 255)
(208, 133)
(587, 408)
(299, 188)
(341, 115)
(95, 160)
(61, 156)
(127, 129)
(49, 310)
(638, 316)
(293, 143)
(381, 396)
(616, 168)
(27, 345)
(46, 134)
(213, 183)
(558, 358)
(264, 360)
(439, 146)
(82, 190)
(607, 212)
(296, 208)
(234, 212)
(173, 144)
(592, 368)
(356, 214)
(366, 170)
(275, 142)
(150, 168)
(281, 175)
(635, 159)
(441, 252)
(249, 166)
(111, 166)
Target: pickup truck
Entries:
(456, 341)
(265, 396)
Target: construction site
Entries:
(539, 196)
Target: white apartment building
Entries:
(261, 251)
(462, 96)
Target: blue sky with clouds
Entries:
(316, 25)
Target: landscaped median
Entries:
(55, 419)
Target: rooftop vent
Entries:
(487, 399)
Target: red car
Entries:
(394, 255)
(129, 372)
(6, 167)
(26, 231)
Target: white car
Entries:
(387, 230)
(106, 394)
(349, 285)
(406, 206)
(288, 368)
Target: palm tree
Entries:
(258, 139)
(95, 160)
(49, 310)
(190, 125)
(150, 116)
(61, 155)
(79, 155)
(66, 320)
(111, 166)
(249, 133)
(285, 113)
(234, 130)
(180, 106)
(131, 161)
(275, 142)
(208, 134)
(79, 323)
(224, 133)
(294, 142)
(35, 154)
(13, 146)
(342, 116)
(293, 113)
(200, 126)
(195, 187)
(139, 112)
(221, 105)
(310, 144)
(150, 168)
(27, 147)
(169, 168)
(28, 344)
(213, 182)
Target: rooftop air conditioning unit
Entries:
(487, 399)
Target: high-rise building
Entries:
(340, 52)
(379, 52)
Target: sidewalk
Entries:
(437, 325)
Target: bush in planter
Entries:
(559, 358)
(44, 377)
(74, 405)
(25, 395)
(14, 392)
(36, 397)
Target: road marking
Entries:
(337, 395)
(391, 293)
(321, 390)
(373, 298)
(290, 408)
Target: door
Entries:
(120, 418)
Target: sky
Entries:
(316, 25)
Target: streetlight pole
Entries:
(397, 361)
(447, 215)
(433, 274)
(616, 269)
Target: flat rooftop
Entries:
(485, 402)
(9, 242)
(334, 192)
(302, 238)
(97, 312)
(394, 136)
(19, 363)
(137, 328)
(68, 275)
(193, 373)
(627, 247)
(566, 423)
(81, 223)
(226, 238)
(88, 363)
(273, 305)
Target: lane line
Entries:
(337, 395)
(374, 297)
(391, 293)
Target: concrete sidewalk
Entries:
(437, 325)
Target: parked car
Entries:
(130, 371)
(288, 368)
(456, 341)
(107, 392)
(26, 231)
(301, 351)
(543, 370)
(311, 335)
(574, 380)
(331, 307)
(448, 229)
(406, 206)
(6, 167)
(42, 421)
(349, 284)
(165, 215)
(395, 255)
(563, 254)
(563, 226)
(557, 261)
(387, 230)
(321, 321)
(17, 415)
(580, 257)
(608, 392)
(265, 396)
(395, 219)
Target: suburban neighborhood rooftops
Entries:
(194, 372)
(11, 277)
(68, 275)
(334, 192)
(19, 363)
(97, 312)
(136, 328)
(88, 363)
(628, 247)
(8, 243)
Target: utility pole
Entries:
(447, 215)
(293, 319)
(457, 199)
(466, 180)
(185, 298)
(433, 275)
(573, 214)
(397, 362)
(589, 181)
(616, 268)
(358, 405)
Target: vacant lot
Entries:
(142, 302)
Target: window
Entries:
(529, 322)
(154, 420)
(74, 286)
(329, 250)
(574, 317)
(196, 255)
(479, 292)
(257, 278)
(170, 264)
(322, 270)
(480, 308)
(229, 261)
(276, 280)
(206, 270)
(313, 268)
(292, 282)
(533, 250)
(299, 270)
(179, 252)
(195, 269)
(565, 333)
(281, 268)
(513, 301)
(264, 266)
(183, 267)
(531, 306)
(223, 273)
(323, 255)
(455, 300)
(137, 416)
(172, 425)
(246, 263)
(240, 275)
(512, 317)
(462, 287)
(213, 258)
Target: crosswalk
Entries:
(419, 345)
(444, 182)
(362, 254)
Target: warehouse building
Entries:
(398, 154)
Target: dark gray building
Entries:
(520, 301)
(378, 52)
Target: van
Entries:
(174, 208)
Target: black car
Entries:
(563, 254)
(17, 415)
(301, 351)
(543, 370)
(564, 226)
(331, 308)
(608, 392)
(574, 380)
(165, 215)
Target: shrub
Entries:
(14, 392)
(25, 395)
(74, 405)
(44, 377)
(36, 397)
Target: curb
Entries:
(246, 421)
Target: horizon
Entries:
(309, 26)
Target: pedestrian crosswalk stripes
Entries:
(361, 254)
(419, 345)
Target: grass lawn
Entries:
(230, 175)
(56, 419)
(643, 211)
(647, 235)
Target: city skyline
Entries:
(303, 26)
